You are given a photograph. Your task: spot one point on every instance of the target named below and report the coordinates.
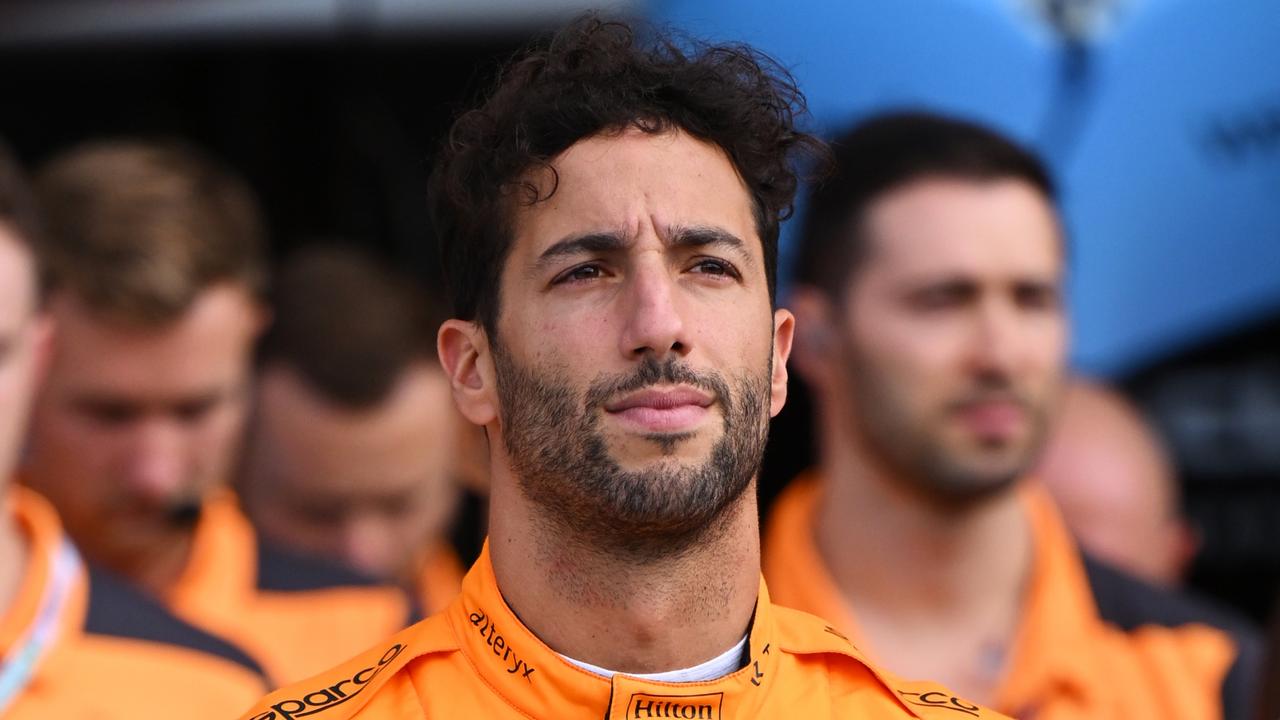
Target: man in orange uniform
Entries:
(354, 444)
(933, 334)
(154, 260)
(66, 648)
(609, 220)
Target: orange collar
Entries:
(222, 570)
(38, 522)
(1052, 643)
(535, 680)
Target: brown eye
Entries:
(1034, 296)
(942, 296)
(195, 410)
(715, 267)
(110, 413)
(580, 273)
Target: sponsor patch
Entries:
(643, 706)
(942, 701)
(511, 660)
(327, 698)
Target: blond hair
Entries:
(137, 230)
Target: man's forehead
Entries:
(942, 225)
(622, 182)
(103, 361)
(216, 328)
(17, 281)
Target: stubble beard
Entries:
(563, 464)
(913, 452)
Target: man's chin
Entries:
(662, 459)
(661, 452)
(972, 483)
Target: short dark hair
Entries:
(596, 76)
(348, 324)
(138, 229)
(886, 153)
(17, 205)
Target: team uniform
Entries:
(64, 657)
(439, 578)
(476, 660)
(295, 615)
(1092, 643)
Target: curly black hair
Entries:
(596, 76)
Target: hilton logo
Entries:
(687, 707)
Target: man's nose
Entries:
(993, 341)
(652, 315)
(155, 466)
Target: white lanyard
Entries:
(20, 662)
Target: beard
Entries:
(914, 451)
(563, 464)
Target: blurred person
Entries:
(67, 649)
(353, 441)
(1115, 485)
(154, 265)
(932, 330)
(608, 220)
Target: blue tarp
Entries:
(1164, 133)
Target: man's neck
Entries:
(937, 590)
(13, 561)
(626, 616)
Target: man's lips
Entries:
(661, 399)
(662, 409)
(997, 418)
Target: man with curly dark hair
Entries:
(609, 222)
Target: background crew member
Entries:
(154, 262)
(1113, 481)
(354, 444)
(73, 642)
(609, 219)
(933, 334)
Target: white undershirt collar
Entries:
(717, 667)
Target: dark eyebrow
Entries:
(681, 237)
(704, 236)
(579, 244)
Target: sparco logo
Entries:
(940, 700)
(332, 696)
(498, 644)
(688, 707)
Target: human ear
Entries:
(815, 334)
(784, 326)
(464, 355)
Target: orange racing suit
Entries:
(57, 664)
(293, 614)
(1067, 660)
(476, 660)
